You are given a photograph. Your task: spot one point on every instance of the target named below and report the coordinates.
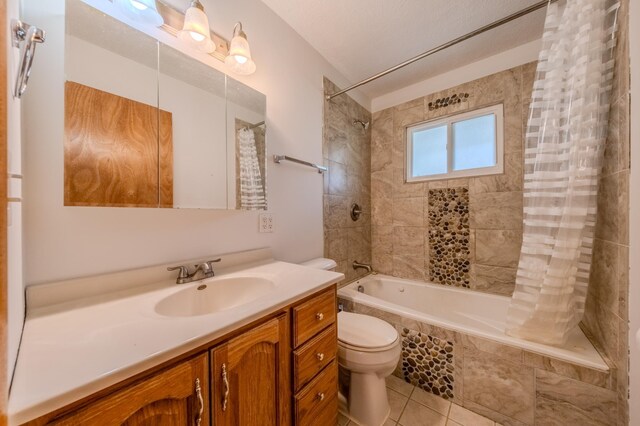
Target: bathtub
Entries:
(463, 311)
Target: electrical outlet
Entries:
(266, 222)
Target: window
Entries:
(467, 144)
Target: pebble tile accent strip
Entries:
(449, 100)
(449, 261)
(427, 362)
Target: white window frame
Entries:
(496, 110)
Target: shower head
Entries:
(365, 125)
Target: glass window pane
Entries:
(429, 151)
(474, 143)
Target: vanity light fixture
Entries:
(195, 30)
(141, 10)
(239, 58)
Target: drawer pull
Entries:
(225, 382)
(319, 316)
(320, 356)
(200, 403)
(320, 396)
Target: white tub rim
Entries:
(349, 292)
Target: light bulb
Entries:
(196, 36)
(145, 11)
(138, 5)
(241, 59)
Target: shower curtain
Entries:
(251, 187)
(564, 147)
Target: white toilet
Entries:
(369, 348)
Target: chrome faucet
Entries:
(184, 276)
(357, 265)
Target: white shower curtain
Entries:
(251, 187)
(564, 147)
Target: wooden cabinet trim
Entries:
(313, 356)
(312, 316)
(317, 403)
(175, 384)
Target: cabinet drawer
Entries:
(313, 356)
(317, 404)
(312, 316)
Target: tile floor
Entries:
(411, 406)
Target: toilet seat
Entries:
(365, 333)
(361, 349)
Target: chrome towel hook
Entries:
(30, 35)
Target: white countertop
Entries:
(71, 350)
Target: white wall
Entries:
(520, 55)
(634, 237)
(63, 242)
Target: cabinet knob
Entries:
(320, 396)
(320, 356)
(319, 316)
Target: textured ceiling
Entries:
(363, 37)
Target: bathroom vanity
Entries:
(276, 365)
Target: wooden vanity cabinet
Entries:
(315, 365)
(251, 379)
(279, 371)
(177, 396)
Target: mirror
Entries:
(149, 126)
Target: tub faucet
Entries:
(357, 265)
(184, 276)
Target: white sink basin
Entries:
(214, 296)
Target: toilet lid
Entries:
(365, 331)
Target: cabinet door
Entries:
(175, 397)
(251, 377)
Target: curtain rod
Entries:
(448, 44)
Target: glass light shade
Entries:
(195, 30)
(239, 58)
(144, 11)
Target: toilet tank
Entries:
(321, 263)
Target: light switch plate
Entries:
(266, 222)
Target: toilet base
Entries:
(368, 401)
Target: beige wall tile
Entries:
(623, 207)
(336, 211)
(411, 267)
(496, 210)
(408, 240)
(402, 189)
(499, 384)
(498, 247)
(510, 180)
(607, 222)
(569, 402)
(515, 355)
(566, 369)
(381, 211)
(603, 282)
(337, 178)
(408, 212)
(623, 282)
(494, 279)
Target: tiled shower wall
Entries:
(408, 237)
(346, 149)
(606, 317)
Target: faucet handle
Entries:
(214, 261)
(184, 271)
